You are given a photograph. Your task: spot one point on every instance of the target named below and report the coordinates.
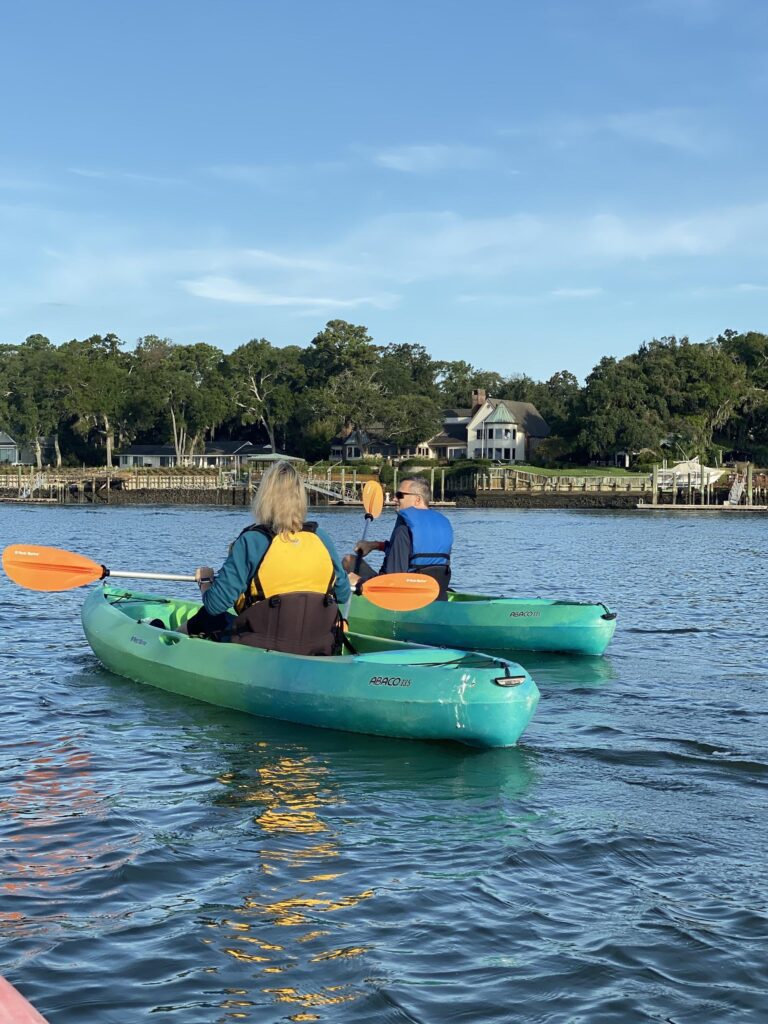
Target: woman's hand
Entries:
(204, 576)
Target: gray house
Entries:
(217, 454)
(9, 450)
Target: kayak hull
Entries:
(478, 623)
(14, 1008)
(387, 689)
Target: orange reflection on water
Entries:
(292, 792)
(57, 789)
(292, 995)
(289, 911)
(338, 954)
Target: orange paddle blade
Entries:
(401, 591)
(41, 568)
(373, 499)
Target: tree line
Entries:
(94, 395)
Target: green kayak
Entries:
(477, 623)
(386, 688)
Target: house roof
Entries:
(148, 449)
(6, 438)
(526, 415)
(236, 448)
(353, 437)
(451, 434)
(240, 448)
(500, 414)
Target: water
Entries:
(169, 861)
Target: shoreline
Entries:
(240, 498)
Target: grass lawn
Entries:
(578, 471)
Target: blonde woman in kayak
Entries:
(283, 577)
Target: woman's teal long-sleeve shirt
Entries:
(244, 558)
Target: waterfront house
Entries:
(217, 455)
(490, 428)
(358, 444)
(503, 430)
(9, 450)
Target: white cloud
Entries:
(576, 293)
(279, 176)
(226, 289)
(431, 159)
(516, 299)
(511, 260)
(100, 175)
(684, 129)
(414, 247)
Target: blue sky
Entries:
(527, 186)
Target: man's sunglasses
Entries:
(403, 494)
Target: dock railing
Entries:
(506, 479)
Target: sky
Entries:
(525, 186)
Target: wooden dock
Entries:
(643, 507)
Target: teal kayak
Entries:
(385, 688)
(477, 623)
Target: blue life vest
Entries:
(431, 536)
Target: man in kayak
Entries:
(283, 576)
(420, 542)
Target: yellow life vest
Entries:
(293, 562)
(289, 605)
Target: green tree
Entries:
(96, 383)
(340, 348)
(34, 391)
(457, 380)
(406, 369)
(263, 384)
(411, 419)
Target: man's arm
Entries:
(398, 555)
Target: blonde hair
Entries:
(281, 500)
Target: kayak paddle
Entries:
(401, 591)
(373, 502)
(43, 568)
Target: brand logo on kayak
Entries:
(389, 681)
(138, 640)
(524, 615)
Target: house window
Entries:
(514, 455)
(514, 434)
(478, 453)
(498, 453)
(479, 435)
(506, 454)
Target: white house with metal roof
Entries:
(492, 428)
(503, 430)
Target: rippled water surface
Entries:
(166, 860)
